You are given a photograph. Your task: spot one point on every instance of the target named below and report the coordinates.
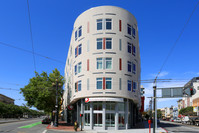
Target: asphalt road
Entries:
(173, 127)
(14, 127)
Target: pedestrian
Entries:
(75, 126)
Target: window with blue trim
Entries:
(78, 50)
(78, 68)
(105, 24)
(75, 69)
(99, 24)
(134, 68)
(134, 50)
(129, 85)
(108, 83)
(99, 83)
(108, 24)
(108, 43)
(78, 33)
(129, 47)
(129, 29)
(133, 31)
(79, 85)
(99, 43)
(134, 86)
(129, 66)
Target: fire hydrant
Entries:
(75, 126)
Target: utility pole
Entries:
(154, 106)
(197, 108)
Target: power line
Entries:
(28, 51)
(9, 89)
(31, 35)
(12, 83)
(170, 52)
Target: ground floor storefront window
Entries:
(106, 115)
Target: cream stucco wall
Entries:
(90, 52)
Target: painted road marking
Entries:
(31, 125)
(44, 131)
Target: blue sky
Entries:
(159, 23)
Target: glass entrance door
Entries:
(97, 117)
(110, 120)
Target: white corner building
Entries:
(102, 70)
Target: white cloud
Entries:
(162, 74)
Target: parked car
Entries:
(178, 120)
(185, 120)
(46, 121)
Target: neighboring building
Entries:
(190, 100)
(175, 112)
(180, 105)
(195, 97)
(168, 113)
(102, 70)
(6, 100)
(163, 113)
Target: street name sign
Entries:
(172, 92)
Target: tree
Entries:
(187, 111)
(159, 113)
(40, 92)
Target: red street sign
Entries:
(70, 107)
(86, 100)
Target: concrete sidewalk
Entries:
(139, 128)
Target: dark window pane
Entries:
(108, 43)
(129, 29)
(99, 24)
(108, 24)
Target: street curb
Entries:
(14, 121)
(11, 121)
(164, 129)
(48, 126)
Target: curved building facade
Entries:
(103, 70)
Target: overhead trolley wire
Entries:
(172, 48)
(33, 53)
(28, 51)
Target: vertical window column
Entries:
(120, 64)
(104, 43)
(87, 27)
(120, 44)
(104, 83)
(88, 65)
(120, 25)
(87, 83)
(120, 83)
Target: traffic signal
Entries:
(191, 91)
(81, 115)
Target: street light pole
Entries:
(56, 106)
